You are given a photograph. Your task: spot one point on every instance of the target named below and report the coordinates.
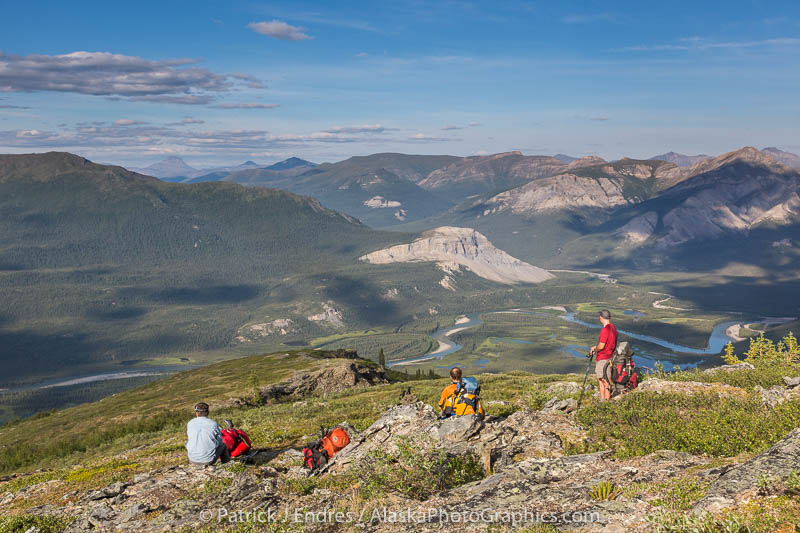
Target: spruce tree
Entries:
(381, 359)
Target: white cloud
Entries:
(186, 121)
(474, 124)
(279, 30)
(366, 128)
(127, 122)
(700, 43)
(251, 81)
(246, 105)
(113, 75)
(421, 137)
(451, 128)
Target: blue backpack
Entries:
(466, 399)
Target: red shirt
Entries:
(609, 336)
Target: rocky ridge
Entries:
(530, 475)
(731, 193)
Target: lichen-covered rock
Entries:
(791, 382)
(459, 428)
(560, 406)
(566, 387)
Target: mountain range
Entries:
(127, 266)
(174, 168)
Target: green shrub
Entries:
(793, 483)
(644, 422)
(767, 373)
(681, 494)
(23, 523)
(415, 472)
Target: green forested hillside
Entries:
(104, 265)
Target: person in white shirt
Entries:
(205, 445)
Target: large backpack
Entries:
(317, 454)
(624, 374)
(466, 398)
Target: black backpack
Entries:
(314, 455)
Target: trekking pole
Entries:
(584, 380)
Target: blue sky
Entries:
(220, 83)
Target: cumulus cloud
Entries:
(279, 30)
(172, 81)
(246, 105)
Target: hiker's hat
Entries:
(201, 407)
(605, 313)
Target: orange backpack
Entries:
(335, 440)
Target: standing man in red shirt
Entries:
(605, 351)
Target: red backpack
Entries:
(624, 374)
(236, 440)
(317, 454)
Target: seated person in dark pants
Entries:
(205, 445)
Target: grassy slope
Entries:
(726, 427)
(100, 265)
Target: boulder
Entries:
(110, 491)
(776, 395)
(791, 382)
(560, 406)
(566, 387)
(459, 428)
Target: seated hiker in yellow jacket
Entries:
(461, 397)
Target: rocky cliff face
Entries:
(558, 192)
(589, 182)
(452, 248)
